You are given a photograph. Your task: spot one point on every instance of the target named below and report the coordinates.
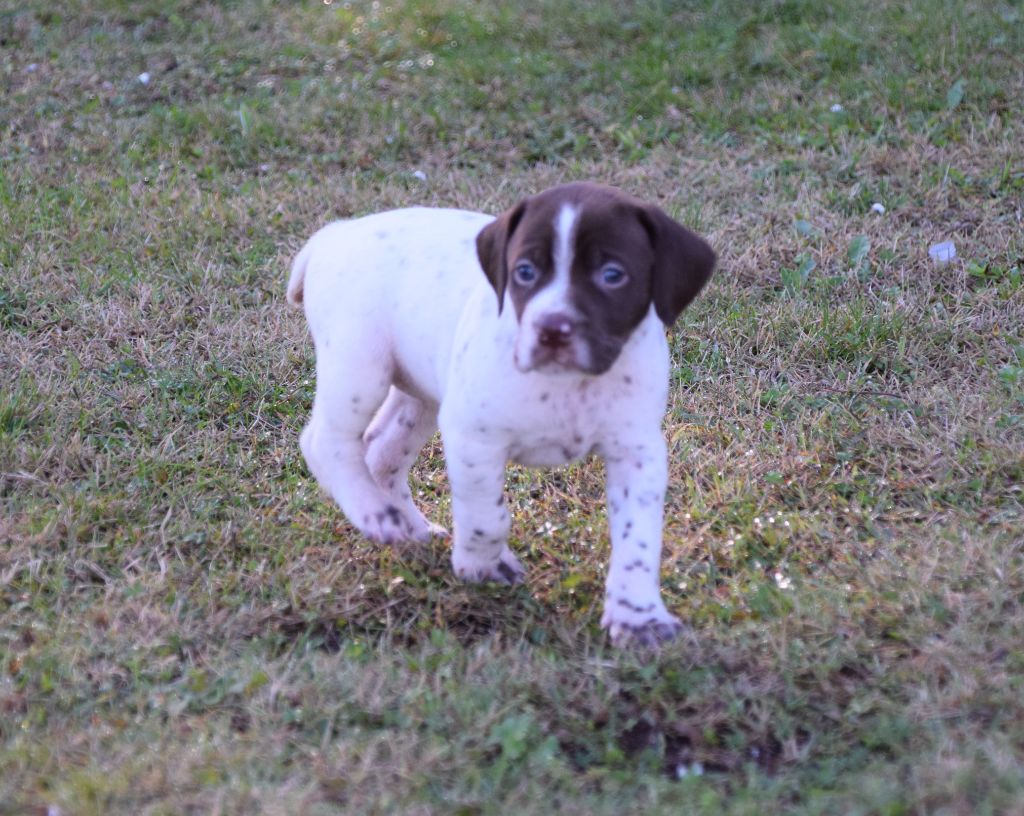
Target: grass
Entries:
(188, 626)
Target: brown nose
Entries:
(555, 330)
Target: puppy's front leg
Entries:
(476, 474)
(637, 472)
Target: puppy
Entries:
(535, 337)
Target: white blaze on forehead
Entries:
(555, 297)
(565, 227)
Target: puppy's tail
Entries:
(298, 276)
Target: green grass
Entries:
(187, 625)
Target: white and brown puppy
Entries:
(569, 359)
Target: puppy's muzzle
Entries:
(556, 330)
(554, 342)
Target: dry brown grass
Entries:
(186, 625)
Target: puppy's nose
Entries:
(555, 330)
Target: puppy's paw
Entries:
(506, 569)
(388, 525)
(645, 626)
(437, 531)
(424, 530)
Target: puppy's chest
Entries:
(547, 443)
(549, 427)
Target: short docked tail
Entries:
(298, 276)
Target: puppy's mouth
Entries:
(576, 357)
(531, 355)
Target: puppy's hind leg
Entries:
(399, 430)
(349, 390)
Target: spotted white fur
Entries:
(409, 338)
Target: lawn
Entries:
(187, 625)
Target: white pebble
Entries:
(419, 174)
(942, 253)
(32, 67)
(878, 208)
(143, 78)
(836, 108)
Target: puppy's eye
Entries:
(524, 274)
(612, 277)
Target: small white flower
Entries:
(878, 207)
(836, 108)
(782, 582)
(419, 174)
(143, 78)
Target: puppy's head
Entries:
(582, 265)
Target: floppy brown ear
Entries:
(682, 263)
(491, 243)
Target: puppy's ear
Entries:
(491, 245)
(682, 263)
